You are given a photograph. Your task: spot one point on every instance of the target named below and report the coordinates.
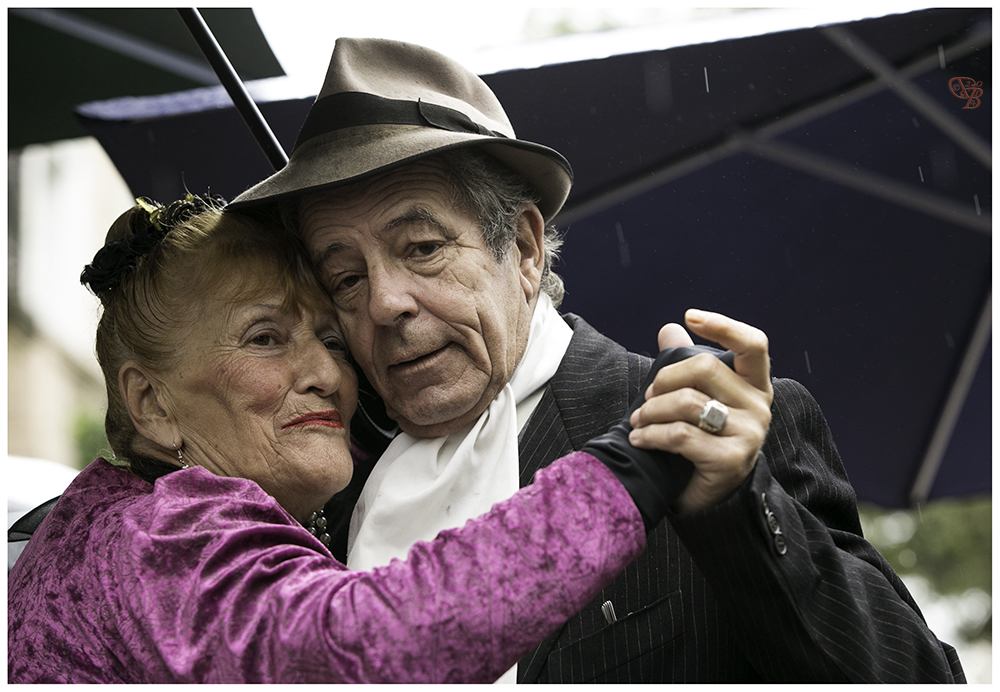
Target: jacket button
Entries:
(772, 523)
(779, 544)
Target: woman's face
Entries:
(266, 393)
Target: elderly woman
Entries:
(191, 556)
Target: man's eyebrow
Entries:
(413, 216)
(416, 215)
(329, 251)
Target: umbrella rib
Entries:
(869, 183)
(119, 42)
(870, 88)
(938, 445)
(665, 173)
(870, 60)
(647, 181)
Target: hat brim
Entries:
(324, 162)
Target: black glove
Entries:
(654, 479)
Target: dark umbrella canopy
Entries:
(826, 185)
(59, 58)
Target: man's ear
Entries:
(531, 249)
(143, 398)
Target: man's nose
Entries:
(391, 296)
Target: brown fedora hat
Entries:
(385, 104)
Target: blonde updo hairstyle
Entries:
(158, 270)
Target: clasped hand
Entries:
(668, 420)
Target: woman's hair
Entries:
(158, 268)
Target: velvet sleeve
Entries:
(808, 597)
(211, 593)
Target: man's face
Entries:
(437, 324)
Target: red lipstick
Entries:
(330, 419)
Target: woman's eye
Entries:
(262, 340)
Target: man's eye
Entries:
(343, 282)
(425, 249)
(262, 340)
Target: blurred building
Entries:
(62, 198)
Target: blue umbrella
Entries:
(830, 185)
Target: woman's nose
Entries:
(318, 370)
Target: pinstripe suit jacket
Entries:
(776, 583)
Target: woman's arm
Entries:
(265, 603)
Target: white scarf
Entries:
(421, 486)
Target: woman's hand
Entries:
(668, 420)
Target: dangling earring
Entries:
(180, 457)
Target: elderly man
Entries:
(428, 219)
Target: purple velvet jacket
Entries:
(198, 578)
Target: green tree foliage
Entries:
(88, 434)
(947, 542)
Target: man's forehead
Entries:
(417, 194)
(427, 177)
(387, 226)
(378, 219)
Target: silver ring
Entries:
(713, 416)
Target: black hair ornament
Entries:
(119, 256)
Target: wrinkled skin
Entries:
(434, 320)
(247, 374)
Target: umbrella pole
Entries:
(237, 91)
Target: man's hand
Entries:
(674, 402)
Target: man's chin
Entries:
(419, 424)
(434, 411)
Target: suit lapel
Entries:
(544, 438)
(589, 393)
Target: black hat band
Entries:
(352, 108)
